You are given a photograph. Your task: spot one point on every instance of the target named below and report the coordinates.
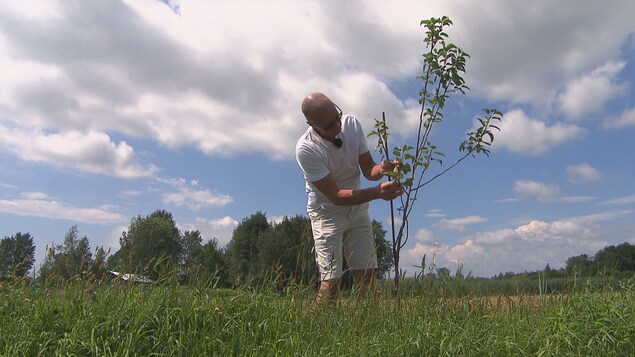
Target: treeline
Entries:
(259, 252)
(615, 260)
(153, 246)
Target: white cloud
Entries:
(424, 236)
(6, 185)
(435, 213)
(578, 199)
(496, 237)
(195, 199)
(276, 219)
(532, 48)
(542, 231)
(34, 195)
(507, 200)
(411, 259)
(524, 135)
(111, 241)
(537, 190)
(528, 189)
(589, 93)
(221, 229)
(91, 151)
(583, 173)
(458, 224)
(600, 217)
(627, 118)
(528, 247)
(37, 205)
(464, 252)
(185, 81)
(621, 200)
(181, 80)
(130, 193)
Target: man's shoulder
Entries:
(350, 118)
(350, 122)
(305, 139)
(306, 145)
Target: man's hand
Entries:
(388, 166)
(390, 190)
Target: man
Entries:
(331, 153)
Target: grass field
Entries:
(169, 320)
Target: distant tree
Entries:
(242, 250)
(151, 244)
(191, 250)
(190, 243)
(385, 260)
(550, 272)
(68, 260)
(16, 255)
(260, 252)
(211, 265)
(579, 265)
(99, 267)
(285, 252)
(443, 273)
(620, 258)
(506, 275)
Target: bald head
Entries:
(316, 103)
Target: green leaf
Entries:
(491, 137)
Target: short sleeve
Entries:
(363, 145)
(311, 163)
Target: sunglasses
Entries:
(337, 119)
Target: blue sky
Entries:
(113, 109)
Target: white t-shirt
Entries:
(318, 157)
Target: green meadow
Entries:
(167, 319)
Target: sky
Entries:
(111, 109)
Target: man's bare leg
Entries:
(329, 290)
(364, 282)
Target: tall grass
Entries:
(168, 319)
(519, 285)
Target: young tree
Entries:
(443, 67)
(16, 255)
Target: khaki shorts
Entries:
(343, 232)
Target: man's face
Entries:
(328, 123)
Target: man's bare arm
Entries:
(351, 197)
(373, 171)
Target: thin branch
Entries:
(392, 208)
(442, 172)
